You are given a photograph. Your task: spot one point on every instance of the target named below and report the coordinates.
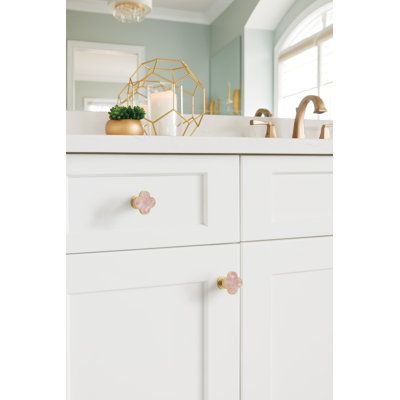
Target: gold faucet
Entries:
(263, 112)
(325, 132)
(270, 131)
(319, 108)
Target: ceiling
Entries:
(194, 11)
(196, 6)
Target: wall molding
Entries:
(166, 14)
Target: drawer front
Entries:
(286, 196)
(197, 201)
(152, 324)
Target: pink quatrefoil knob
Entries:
(143, 202)
(232, 283)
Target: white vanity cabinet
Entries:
(146, 318)
(152, 324)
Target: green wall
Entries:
(189, 42)
(226, 67)
(230, 24)
(227, 28)
(258, 70)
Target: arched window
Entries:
(304, 63)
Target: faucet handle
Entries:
(325, 132)
(270, 132)
(257, 122)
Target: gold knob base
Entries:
(133, 205)
(220, 282)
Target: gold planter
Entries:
(124, 127)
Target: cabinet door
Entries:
(152, 325)
(286, 197)
(287, 316)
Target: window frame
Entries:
(88, 100)
(281, 42)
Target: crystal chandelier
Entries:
(130, 10)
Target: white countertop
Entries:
(194, 145)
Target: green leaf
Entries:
(120, 112)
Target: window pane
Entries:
(327, 62)
(327, 95)
(329, 18)
(287, 106)
(310, 72)
(299, 73)
(99, 105)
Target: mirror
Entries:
(248, 54)
(97, 72)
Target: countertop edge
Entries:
(195, 145)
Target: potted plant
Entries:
(125, 121)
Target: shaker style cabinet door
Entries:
(152, 325)
(287, 320)
(286, 197)
(126, 202)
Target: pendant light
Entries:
(130, 10)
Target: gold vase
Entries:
(124, 127)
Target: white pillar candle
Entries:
(148, 111)
(182, 100)
(161, 103)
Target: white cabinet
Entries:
(287, 316)
(286, 196)
(152, 324)
(146, 320)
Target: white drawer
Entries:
(286, 196)
(197, 201)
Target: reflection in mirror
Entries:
(97, 73)
(225, 88)
(304, 59)
(248, 54)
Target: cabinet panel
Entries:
(197, 201)
(152, 324)
(286, 196)
(287, 319)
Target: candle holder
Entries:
(171, 94)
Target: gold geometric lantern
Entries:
(171, 94)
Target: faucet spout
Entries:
(319, 108)
(263, 112)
